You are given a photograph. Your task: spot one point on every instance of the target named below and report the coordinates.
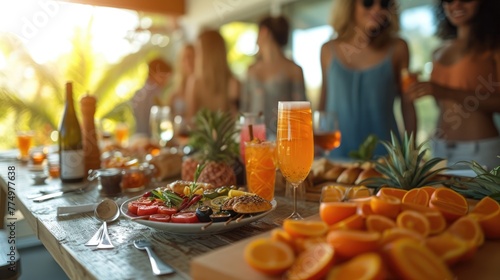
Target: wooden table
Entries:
(64, 236)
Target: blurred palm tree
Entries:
(36, 100)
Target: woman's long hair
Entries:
(211, 66)
(485, 26)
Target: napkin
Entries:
(75, 209)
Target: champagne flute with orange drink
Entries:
(327, 134)
(295, 144)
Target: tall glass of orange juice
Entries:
(295, 144)
(260, 168)
(24, 142)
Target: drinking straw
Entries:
(250, 129)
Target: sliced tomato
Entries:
(132, 207)
(147, 210)
(166, 210)
(160, 218)
(184, 217)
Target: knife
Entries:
(56, 194)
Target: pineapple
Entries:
(484, 184)
(403, 167)
(214, 142)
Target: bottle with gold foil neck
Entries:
(71, 156)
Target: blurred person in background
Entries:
(212, 85)
(273, 77)
(183, 70)
(465, 82)
(159, 74)
(361, 73)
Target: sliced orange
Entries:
(358, 192)
(388, 206)
(429, 189)
(300, 244)
(415, 221)
(448, 247)
(279, 234)
(368, 266)
(313, 263)
(468, 229)
(488, 213)
(410, 260)
(350, 243)
(355, 221)
(379, 223)
(416, 196)
(332, 193)
(399, 193)
(393, 234)
(305, 228)
(450, 203)
(436, 220)
(365, 208)
(333, 212)
(269, 256)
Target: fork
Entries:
(158, 266)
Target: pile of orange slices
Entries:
(393, 234)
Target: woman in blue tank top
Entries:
(361, 73)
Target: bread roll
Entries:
(349, 175)
(367, 173)
(333, 173)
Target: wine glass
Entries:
(162, 129)
(295, 145)
(326, 131)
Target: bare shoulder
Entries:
(327, 48)
(294, 70)
(400, 46)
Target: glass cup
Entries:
(258, 130)
(110, 180)
(261, 168)
(162, 128)
(136, 178)
(24, 143)
(407, 79)
(121, 134)
(327, 133)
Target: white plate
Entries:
(196, 228)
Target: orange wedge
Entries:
(269, 256)
(388, 206)
(379, 223)
(468, 229)
(487, 211)
(397, 233)
(350, 243)
(367, 266)
(450, 203)
(448, 247)
(305, 228)
(332, 193)
(399, 193)
(430, 190)
(415, 221)
(333, 212)
(356, 222)
(313, 263)
(410, 260)
(436, 220)
(416, 196)
(279, 234)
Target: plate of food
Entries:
(208, 212)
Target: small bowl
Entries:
(38, 178)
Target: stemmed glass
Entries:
(326, 131)
(162, 129)
(295, 145)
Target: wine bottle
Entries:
(71, 155)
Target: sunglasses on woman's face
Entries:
(463, 1)
(384, 4)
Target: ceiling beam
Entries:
(169, 7)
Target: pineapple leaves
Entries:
(484, 184)
(405, 167)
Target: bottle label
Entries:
(72, 165)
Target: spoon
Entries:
(106, 211)
(158, 266)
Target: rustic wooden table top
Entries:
(64, 236)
